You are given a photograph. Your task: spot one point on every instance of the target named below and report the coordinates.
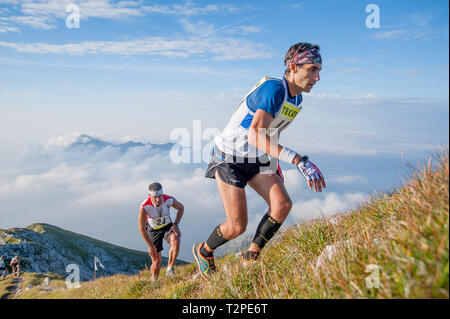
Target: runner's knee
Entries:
(283, 207)
(236, 229)
(156, 260)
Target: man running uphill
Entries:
(155, 225)
(15, 266)
(241, 155)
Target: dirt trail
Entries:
(13, 289)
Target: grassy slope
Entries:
(404, 233)
(5, 284)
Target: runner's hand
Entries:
(313, 175)
(176, 230)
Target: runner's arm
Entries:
(257, 136)
(180, 208)
(142, 223)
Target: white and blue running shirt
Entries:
(271, 95)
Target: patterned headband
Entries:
(307, 57)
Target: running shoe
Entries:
(205, 264)
(249, 258)
(170, 271)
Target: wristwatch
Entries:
(304, 159)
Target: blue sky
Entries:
(214, 49)
(139, 69)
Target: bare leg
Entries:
(174, 241)
(235, 205)
(271, 188)
(156, 265)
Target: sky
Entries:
(140, 70)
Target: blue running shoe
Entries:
(205, 264)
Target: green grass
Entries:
(5, 284)
(36, 283)
(403, 233)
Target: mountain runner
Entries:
(155, 225)
(247, 152)
(3, 266)
(15, 266)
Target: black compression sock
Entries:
(216, 239)
(265, 231)
(205, 252)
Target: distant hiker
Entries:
(15, 265)
(247, 152)
(3, 266)
(155, 225)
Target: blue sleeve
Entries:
(268, 97)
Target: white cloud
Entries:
(190, 9)
(60, 141)
(219, 48)
(393, 34)
(116, 10)
(35, 22)
(420, 19)
(43, 14)
(9, 2)
(60, 176)
(404, 34)
(352, 179)
(333, 203)
(244, 30)
(294, 5)
(200, 28)
(4, 28)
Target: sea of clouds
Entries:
(97, 191)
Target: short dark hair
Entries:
(295, 49)
(155, 187)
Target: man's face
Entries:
(306, 76)
(158, 200)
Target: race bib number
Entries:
(287, 114)
(159, 222)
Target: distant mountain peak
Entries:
(85, 140)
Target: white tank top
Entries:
(158, 217)
(234, 138)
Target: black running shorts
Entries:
(157, 235)
(238, 171)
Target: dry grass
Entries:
(404, 234)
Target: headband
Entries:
(155, 193)
(310, 56)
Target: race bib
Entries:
(287, 114)
(159, 222)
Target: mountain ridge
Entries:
(85, 140)
(47, 248)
